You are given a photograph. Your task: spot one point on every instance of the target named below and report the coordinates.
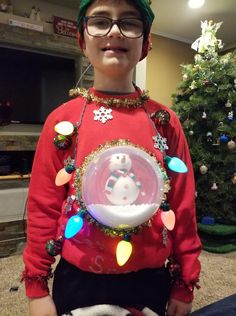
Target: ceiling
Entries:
(174, 19)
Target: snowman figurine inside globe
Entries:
(122, 187)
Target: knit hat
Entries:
(146, 13)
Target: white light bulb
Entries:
(194, 4)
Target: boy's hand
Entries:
(178, 308)
(42, 306)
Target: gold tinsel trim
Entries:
(111, 102)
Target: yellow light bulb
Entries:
(123, 252)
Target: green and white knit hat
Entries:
(142, 5)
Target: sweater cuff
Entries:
(36, 289)
(181, 293)
(36, 286)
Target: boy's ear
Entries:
(147, 46)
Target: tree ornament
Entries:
(207, 83)
(216, 142)
(204, 115)
(224, 139)
(203, 169)
(234, 83)
(193, 85)
(221, 127)
(231, 145)
(208, 43)
(185, 77)
(230, 116)
(228, 104)
(233, 179)
(209, 137)
(191, 133)
(214, 187)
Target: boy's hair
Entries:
(143, 7)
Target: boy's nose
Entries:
(115, 31)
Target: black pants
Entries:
(74, 288)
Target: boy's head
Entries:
(143, 6)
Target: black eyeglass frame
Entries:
(113, 22)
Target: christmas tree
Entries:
(206, 102)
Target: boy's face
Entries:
(113, 54)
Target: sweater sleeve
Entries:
(184, 263)
(43, 211)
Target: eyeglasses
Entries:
(99, 26)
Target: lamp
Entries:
(194, 4)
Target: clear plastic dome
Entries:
(122, 186)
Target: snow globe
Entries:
(122, 186)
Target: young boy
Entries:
(111, 168)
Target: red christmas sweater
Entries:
(91, 249)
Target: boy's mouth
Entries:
(115, 49)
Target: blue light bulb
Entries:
(176, 164)
(74, 225)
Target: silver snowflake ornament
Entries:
(102, 114)
(160, 142)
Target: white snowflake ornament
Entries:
(103, 114)
(160, 142)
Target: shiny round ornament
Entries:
(224, 139)
(161, 117)
(208, 83)
(53, 247)
(191, 133)
(231, 145)
(122, 186)
(62, 141)
(203, 169)
(65, 128)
